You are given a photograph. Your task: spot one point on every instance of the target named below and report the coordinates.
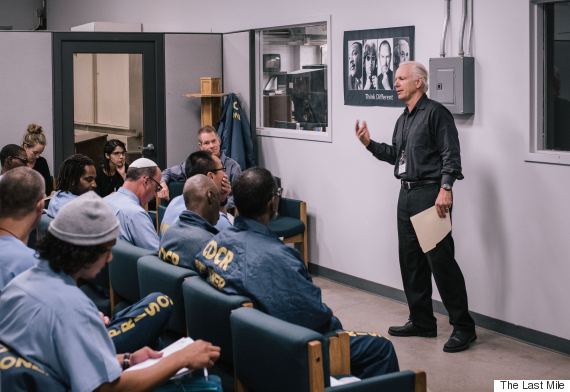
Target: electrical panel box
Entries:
(452, 83)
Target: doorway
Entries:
(109, 86)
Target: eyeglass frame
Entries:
(118, 153)
(218, 169)
(158, 186)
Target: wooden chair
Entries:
(273, 355)
(291, 224)
(208, 317)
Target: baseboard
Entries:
(527, 335)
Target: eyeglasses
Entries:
(158, 186)
(24, 161)
(278, 192)
(218, 169)
(119, 153)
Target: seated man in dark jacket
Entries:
(195, 226)
(249, 259)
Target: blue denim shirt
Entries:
(250, 260)
(136, 224)
(186, 237)
(47, 319)
(58, 200)
(15, 258)
(177, 207)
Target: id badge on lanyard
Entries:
(402, 163)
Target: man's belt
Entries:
(417, 184)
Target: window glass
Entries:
(557, 76)
(294, 77)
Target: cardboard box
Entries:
(210, 85)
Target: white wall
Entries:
(510, 221)
(26, 87)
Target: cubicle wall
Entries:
(187, 58)
(26, 86)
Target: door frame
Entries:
(150, 45)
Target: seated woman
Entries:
(111, 175)
(50, 322)
(34, 143)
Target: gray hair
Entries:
(420, 72)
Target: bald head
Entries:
(20, 191)
(201, 195)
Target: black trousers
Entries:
(416, 267)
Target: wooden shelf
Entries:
(199, 95)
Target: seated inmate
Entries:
(195, 226)
(49, 321)
(249, 259)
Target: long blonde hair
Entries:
(34, 135)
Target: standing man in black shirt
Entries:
(426, 159)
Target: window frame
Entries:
(292, 133)
(536, 136)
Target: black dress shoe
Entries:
(409, 329)
(459, 341)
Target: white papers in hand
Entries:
(177, 345)
(430, 228)
(343, 380)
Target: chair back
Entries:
(208, 314)
(175, 188)
(156, 275)
(161, 210)
(43, 225)
(20, 375)
(123, 272)
(273, 355)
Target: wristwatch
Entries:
(447, 187)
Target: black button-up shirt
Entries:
(428, 137)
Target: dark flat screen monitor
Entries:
(308, 91)
(272, 63)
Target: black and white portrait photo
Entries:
(371, 58)
(355, 65)
(385, 72)
(401, 51)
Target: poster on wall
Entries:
(371, 58)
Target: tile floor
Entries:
(492, 356)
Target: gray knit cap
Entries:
(86, 220)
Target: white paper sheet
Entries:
(177, 345)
